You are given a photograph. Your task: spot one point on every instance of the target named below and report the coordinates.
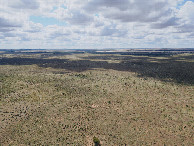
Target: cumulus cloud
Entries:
(33, 27)
(187, 19)
(24, 4)
(108, 31)
(130, 10)
(8, 34)
(6, 29)
(186, 12)
(93, 5)
(96, 23)
(59, 33)
(163, 24)
(78, 18)
(8, 23)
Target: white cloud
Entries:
(130, 11)
(24, 4)
(32, 27)
(96, 23)
(186, 12)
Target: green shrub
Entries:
(96, 141)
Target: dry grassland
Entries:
(50, 106)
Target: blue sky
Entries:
(95, 24)
(45, 21)
(180, 4)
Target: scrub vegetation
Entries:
(90, 98)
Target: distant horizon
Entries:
(91, 49)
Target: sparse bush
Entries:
(96, 141)
(81, 75)
(40, 106)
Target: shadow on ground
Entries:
(177, 69)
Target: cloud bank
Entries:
(96, 24)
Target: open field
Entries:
(68, 98)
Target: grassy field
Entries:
(69, 99)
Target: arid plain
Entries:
(70, 97)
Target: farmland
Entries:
(69, 97)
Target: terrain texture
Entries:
(68, 98)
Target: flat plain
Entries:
(69, 97)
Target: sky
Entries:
(96, 24)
